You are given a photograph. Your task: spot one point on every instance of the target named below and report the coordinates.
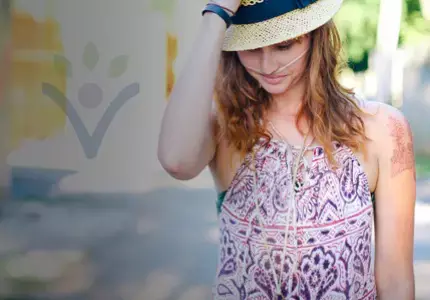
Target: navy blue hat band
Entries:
(267, 10)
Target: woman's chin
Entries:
(275, 89)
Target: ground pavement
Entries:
(156, 246)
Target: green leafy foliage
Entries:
(358, 22)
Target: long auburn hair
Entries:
(330, 109)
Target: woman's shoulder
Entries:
(375, 111)
(383, 122)
(370, 108)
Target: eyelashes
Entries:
(285, 46)
(281, 47)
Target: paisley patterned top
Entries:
(332, 244)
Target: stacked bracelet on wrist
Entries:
(227, 9)
(220, 11)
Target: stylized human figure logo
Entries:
(90, 96)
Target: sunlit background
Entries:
(99, 219)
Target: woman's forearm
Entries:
(396, 286)
(186, 143)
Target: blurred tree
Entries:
(383, 56)
(358, 22)
(414, 26)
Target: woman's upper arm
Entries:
(395, 204)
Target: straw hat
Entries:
(259, 23)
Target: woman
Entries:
(302, 165)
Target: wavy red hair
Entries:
(329, 108)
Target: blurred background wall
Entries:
(5, 61)
(93, 216)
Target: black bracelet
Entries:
(219, 11)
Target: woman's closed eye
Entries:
(284, 45)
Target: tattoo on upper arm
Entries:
(403, 153)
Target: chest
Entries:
(322, 195)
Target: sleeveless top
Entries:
(334, 221)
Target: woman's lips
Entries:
(273, 79)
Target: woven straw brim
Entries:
(281, 28)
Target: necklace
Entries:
(292, 208)
(305, 162)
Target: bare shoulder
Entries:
(370, 108)
(390, 123)
(382, 120)
(393, 139)
(369, 115)
(390, 135)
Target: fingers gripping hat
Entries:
(259, 23)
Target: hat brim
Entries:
(281, 28)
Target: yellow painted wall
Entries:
(34, 42)
(34, 116)
(172, 52)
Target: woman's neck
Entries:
(289, 103)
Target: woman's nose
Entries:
(268, 63)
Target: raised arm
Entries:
(186, 141)
(395, 203)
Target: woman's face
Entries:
(268, 64)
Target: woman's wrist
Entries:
(213, 23)
(222, 12)
(227, 10)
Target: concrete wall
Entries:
(5, 52)
(92, 34)
(416, 96)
